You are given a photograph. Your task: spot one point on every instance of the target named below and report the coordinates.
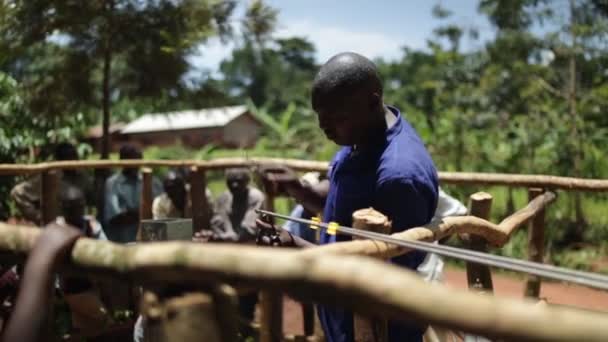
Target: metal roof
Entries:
(187, 119)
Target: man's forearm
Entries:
(307, 197)
(31, 310)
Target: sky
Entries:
(374, 29)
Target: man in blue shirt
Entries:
(383, 164)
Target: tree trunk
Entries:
(105, 139)
(107, 65)
(574, 132)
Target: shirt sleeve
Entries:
(407, 204)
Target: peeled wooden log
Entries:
(366, 327)
(523, 180)
(495, 234)
(190, 317)
(220, 163)
(356, 283)
(479, 276)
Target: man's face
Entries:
(73, 211)
(237, 183)
(345, 120)
(176, 190)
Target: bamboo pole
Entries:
(201, 216)
(366, 327)
(49, 197)
(468, 178)
(479, 276)
(351, 282)
(536, 245)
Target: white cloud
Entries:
(330, 40)
(211, 54)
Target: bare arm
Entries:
(279, 179)
(28, 321)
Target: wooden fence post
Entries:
(145, 199)
(536, 245)
(370, 329)
(479, 276)
(190, 317)
(226, 302)
(308, 316)
(271, 302)
(49, 196)
(201, 215)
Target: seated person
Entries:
(175, 201)
(73, 209)
(26, 194)
(122, 199)
(234, 211)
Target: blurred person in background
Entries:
(122, 199)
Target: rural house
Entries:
(232, 126)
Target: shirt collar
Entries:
(393, 124)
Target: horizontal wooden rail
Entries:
(495, 234)
(348, 281)
(464, 178)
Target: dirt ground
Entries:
(504, 285)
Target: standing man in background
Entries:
(122, 199)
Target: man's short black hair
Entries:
(173, 178)
(71, 195)
(237, 173)
(345, 73)
(129, 151)
(65, 151)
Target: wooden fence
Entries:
(308, 274)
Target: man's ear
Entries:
(374, 100)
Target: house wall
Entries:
(193, 138)
(240, 132)
(243, 131)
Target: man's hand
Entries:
(29, 319)
(278, 179)
(210, 236)
(282, 238)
